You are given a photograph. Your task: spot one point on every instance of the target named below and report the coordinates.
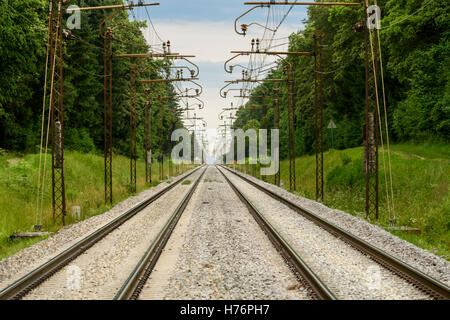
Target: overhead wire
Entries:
(377, 103)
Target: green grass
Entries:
(186, 182)
(420, 181)
(428, 151)
(84, 187)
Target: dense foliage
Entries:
(415, 52)
(23, 37)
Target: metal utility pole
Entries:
(107, 36)
(107, 112)
(291, 104)
(276, 119)
(291, 126)
(148, 137)
(225, 125)
(56, 101)
(133, 157)
(151, 81)
(56, 106)
(276, 125)
(319, 102)
(161, 146)
(133, 83)
(371, 115)
(318, 113)
(195, 131)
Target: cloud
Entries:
(210, 41)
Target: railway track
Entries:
(217, 251)
(139, 276)
(305, 275)
(418, 279)
(35, 278)
(135, 278)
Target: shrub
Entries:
(79, 140)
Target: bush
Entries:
(79, 140)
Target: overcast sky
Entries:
(205, 28)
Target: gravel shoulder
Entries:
(417, 257)
(14, 267)
(218, 251)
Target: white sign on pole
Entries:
(332, 125)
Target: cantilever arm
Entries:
(220, 114)
(224, 95)
(100, 27)
(198, 85)
(260, 25)
(241, 16)
(193, 75)
(201, 104)
(229, 60)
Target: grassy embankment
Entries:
(421, 189)
(84, 177)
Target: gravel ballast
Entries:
(220, 253)
(26, 260)
(418, 258)
(348, 273)
(100, 271)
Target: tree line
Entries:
(23, 39)
(415, 50)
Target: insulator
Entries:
(359, 26)
(244, 28)
(67, 34)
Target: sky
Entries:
(205, 28)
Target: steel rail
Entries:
(33, 279)
(133, 286)
(318, 288)
(422, 281)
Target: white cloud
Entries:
(210, 41)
